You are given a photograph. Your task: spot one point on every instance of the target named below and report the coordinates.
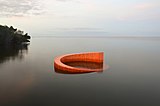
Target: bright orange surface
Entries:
(96, 57)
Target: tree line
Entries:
(12, 36)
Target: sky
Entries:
(83, 17)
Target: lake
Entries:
(28, 78)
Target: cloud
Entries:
(63, 0)
(140, 11)
(19, 7)
(144, 6)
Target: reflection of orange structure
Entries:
(66, 63)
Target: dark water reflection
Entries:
(132, 79)
(12, 87)
(12, 52)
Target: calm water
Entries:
(27, 77)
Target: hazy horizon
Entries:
(83, 17)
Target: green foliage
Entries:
(9, 35)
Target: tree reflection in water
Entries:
(14, 82)
(11, 52)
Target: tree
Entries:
(10, 35)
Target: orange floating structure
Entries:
(66, 63)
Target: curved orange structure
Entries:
(63, 63)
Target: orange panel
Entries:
(61, 62)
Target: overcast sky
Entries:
(94, 17)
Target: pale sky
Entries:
(83, 17)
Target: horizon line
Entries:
(71, 36)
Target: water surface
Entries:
(27, 77)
